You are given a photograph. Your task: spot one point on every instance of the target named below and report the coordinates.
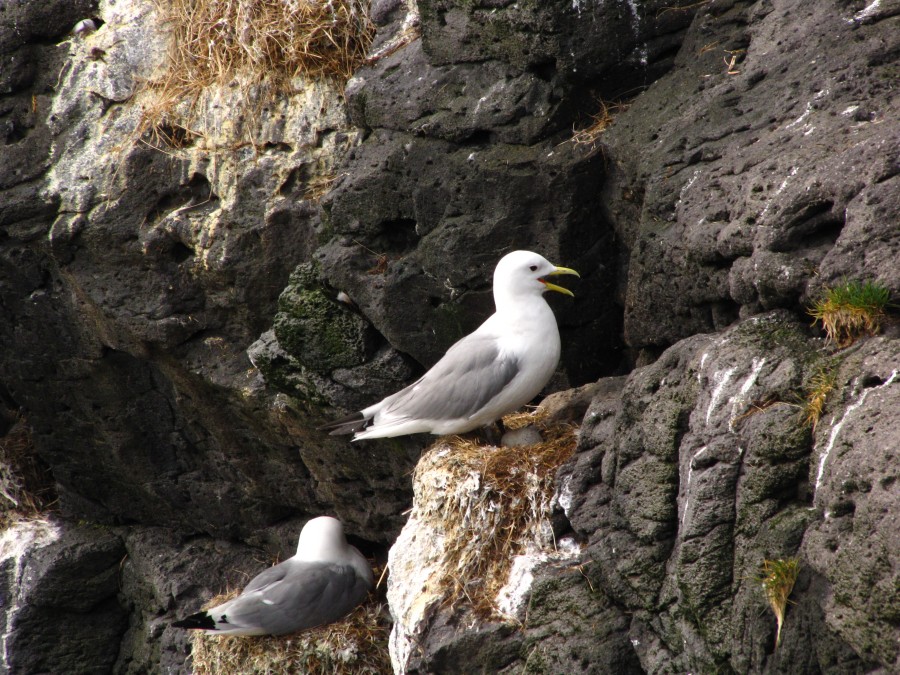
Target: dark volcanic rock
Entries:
(60, 606)
(322, 351)
(749, 186)
(461, 103)
(172, 333)
(423, 222)
(578, 40)
(317, 331)
(465, 162)
(573, 627)
(570, 629)
(701, 471)
(853, 543)
(133, 282)
(23, 22)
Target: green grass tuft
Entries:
(851, 310)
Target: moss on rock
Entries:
(321, 333)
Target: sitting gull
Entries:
(487, 374)
(322, 583)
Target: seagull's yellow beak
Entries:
(560, 289)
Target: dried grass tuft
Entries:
(851, 310)
(497, 507)
(817, 391)
(777, 579)
(26, 486)
(258, 45)
(599, 123)
(358, 644)
(319, 185)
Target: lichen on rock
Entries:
(317, 330)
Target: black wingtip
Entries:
(346, 425)
(200, 620)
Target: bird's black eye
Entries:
(533, 268)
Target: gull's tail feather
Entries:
(200, 620)
(346, 425)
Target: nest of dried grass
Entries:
(495, 506)
(600, 122)
(26, 486)
(319, 185)
(258, 45)
(358, 644)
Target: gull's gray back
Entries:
(459, 385)
(296, 595)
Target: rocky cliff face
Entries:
(172, 337)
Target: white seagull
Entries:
(322, 583)
(495, 370)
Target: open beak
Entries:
(560, 289)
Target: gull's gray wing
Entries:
(471, 373)
(267, 577)
(309, 594)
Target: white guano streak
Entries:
(836, 429)
(687, 487)
(784, 184)
(739, 400)
(721, 378)
(864, 14)
(511, 598)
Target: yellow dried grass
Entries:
(319, 185)
(777, 579)
(600, 122)
(357, 644)
(501, 510)
(817, 391)
(260, 46)
(26, 487)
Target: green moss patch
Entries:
(320, 333)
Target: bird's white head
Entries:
(522, 273)
(322, 539)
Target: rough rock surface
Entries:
(690, 473)
(700, 471)
(164, 317)
(547, 616)
(139, 272)
(61, 613)
(751, 186)
(853, 544)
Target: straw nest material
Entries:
(600, 122)
(357, 644)
(492, 504)
(26, 486)
(258, 47)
